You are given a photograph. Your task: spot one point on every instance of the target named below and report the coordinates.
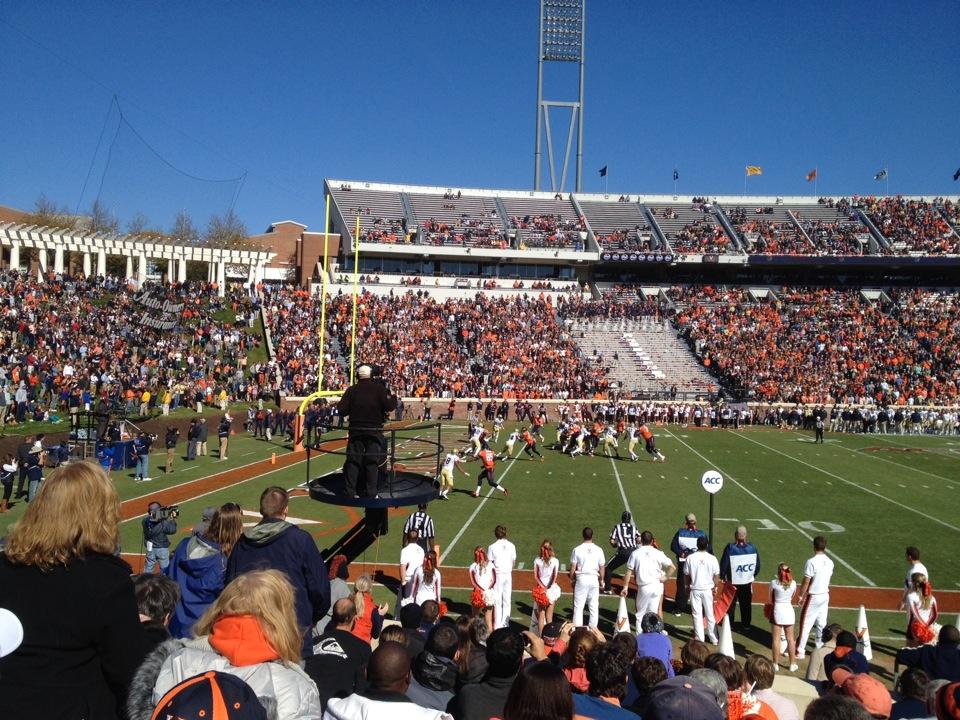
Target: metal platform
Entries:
(405, 488)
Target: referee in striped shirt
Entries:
(623, 537)
(423, 524)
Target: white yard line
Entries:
(476, 512)
(623, 495)
(772, 509)
(211, 492)
(851, 483)
(860, 451)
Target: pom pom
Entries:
(443, 608)
(540, 596)
(476, 599)
(921, 632)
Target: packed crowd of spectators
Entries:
(467, 232)
(385, 231)
(619, 301)
(836, 238)
(911, 225)
(822, 345)
(66, 342)
(640, 239)
(550, 231)
(465, 347)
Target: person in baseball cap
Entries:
(865, 689)
(212, 696)
(682, 698)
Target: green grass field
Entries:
(869, 495)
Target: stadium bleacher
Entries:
(692, 228)
(546, 223)
(619, 225)
(457, 219)
(382, 216)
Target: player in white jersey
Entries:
(581, 440)
(511, 441)
(586, 573)
(451, 461)
(610, 444)
(503, 557)
(814, 596)
(633, 437)
(651, 567)
(476, 439)
(497, 427)
(703, 571)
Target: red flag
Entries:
(811, 175)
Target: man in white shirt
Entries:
(814, 596)
(651, 567)
(913, 566)
(586, 570)
(503, 554)
(703, 571)
(411, 557)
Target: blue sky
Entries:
(443, 93)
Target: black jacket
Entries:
(159, 531)
(938, 661)
(338, 665)
(170, 440)
(367, 404)
(432, 682)
(202, 432)
(82, 639)
(481, 701)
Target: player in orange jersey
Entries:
(488, 461)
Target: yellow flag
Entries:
(754, 170)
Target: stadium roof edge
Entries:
(652, 198)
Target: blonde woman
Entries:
(369, 614)
(199, 565)
(546, 591)
(61, 577)
(250, 632)
(922, 607)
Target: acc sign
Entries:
(712, 481)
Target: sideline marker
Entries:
(863, 634)
(726, 639)
(623, 617)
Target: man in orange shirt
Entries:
(651, 444)
(488, 459)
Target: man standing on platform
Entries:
(366, 403)
(503, 554)
(739, 566)
(684, 542)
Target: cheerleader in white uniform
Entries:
(426, 580)
(782, 589)
(922, 606)
(483, 577)
(545, 570)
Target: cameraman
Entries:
(141, 454)
(170, 442)
(158, 525)
(366, 403)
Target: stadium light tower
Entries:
(561, 40)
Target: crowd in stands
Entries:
(468, 232)
(914, 223)
(838, 238)
(640, 239)
(385, 231)
(619, 301)
(68, 342)
(550, 231)
(465, 347)
(822, 345)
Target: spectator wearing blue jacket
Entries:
(141, 453)
(199, 566)
(274, 543)
(739, 565)
(685, 543)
